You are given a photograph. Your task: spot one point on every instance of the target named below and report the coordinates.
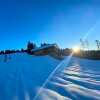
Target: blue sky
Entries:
(54, 21)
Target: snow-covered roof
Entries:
(43, 47)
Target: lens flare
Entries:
(76, 49)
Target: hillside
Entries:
(22, 74)
(78, 80)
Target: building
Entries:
(45, 50)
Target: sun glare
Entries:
(76, 49)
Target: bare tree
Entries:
(82, 44)
(98, 44)
(87, 44)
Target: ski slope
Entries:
(22, 74)
(79, 80)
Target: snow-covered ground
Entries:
(22, 76)
(79, 80)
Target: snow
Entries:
(79, 80)
(22, 74)
(43, 47)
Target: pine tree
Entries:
(31, 46)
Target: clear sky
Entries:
(54, 21)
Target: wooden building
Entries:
(45, 50)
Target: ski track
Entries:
(22, 76)
(77, 81)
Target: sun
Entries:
(76, 49)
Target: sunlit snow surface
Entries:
(22, 76)
(79, 80)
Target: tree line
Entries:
(29, 47)
(84, 52)
(85, 44)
